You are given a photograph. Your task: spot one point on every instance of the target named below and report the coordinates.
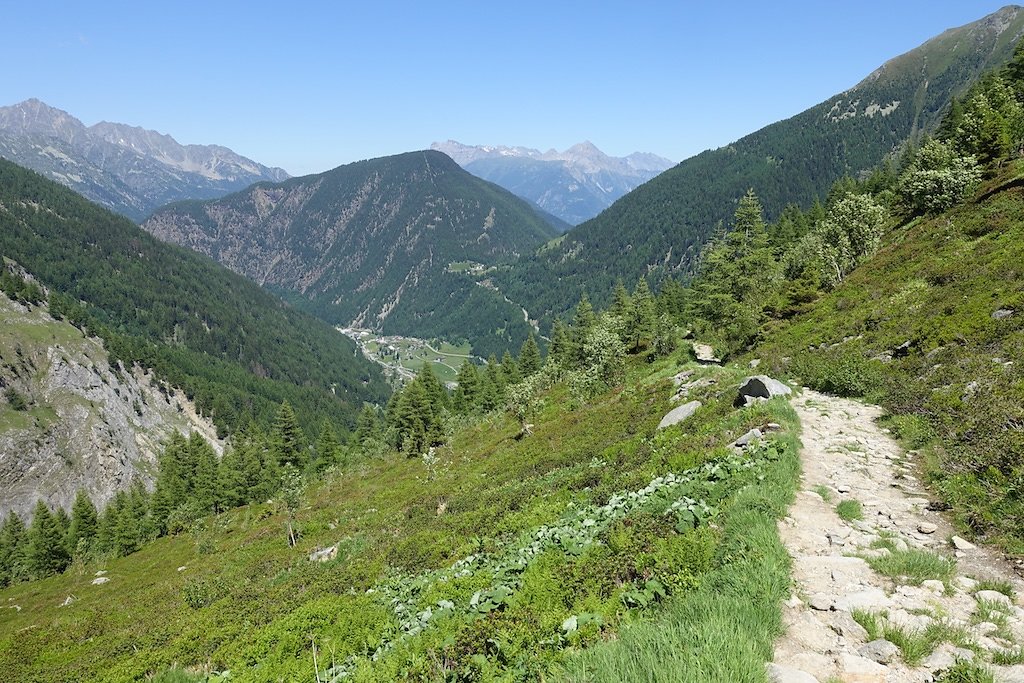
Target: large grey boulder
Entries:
(677, 415)
(761, 387)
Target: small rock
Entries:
(868, 598)
(933, 585)
(100, 580)
(754, 362)
(784, 674)
(324, 554)
(985, 628)
(945, 656)
(773, 426)
(965, 583)
(677, 415)
(68, 600)
(182, 568)
(1001, 313)
(753, 435)
(881, 651)
(993, 596)
(845, 625)
(843, 488)
(705, 354)
(100, 572)
(927, 528)
(856, 668)
(962, 544)
(820, 602)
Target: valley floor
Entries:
(884, 590)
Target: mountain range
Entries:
(125, 168)
(659, 228)
(386, 243)
(573, 185)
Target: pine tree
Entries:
(367, 425)
(328, 450)
(14, 547)
(287, 440)
(510, 374)
(174, 475)
(622, 305)
(641, 319)
(413, 419)
(126, 530)
(559, 350)
(529, 357)
(47, 554)
(204, 480)
(84, 525)
(467, 393)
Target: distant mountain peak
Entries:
(129, 169)
(573, 185)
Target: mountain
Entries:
(69, 419)
(659, 228)
(384, 243)
(573, 185)
(129, 170)
(234, 349)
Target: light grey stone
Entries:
(784, 674)
(324, 554)
(753, 435)
(677, 415)
(99, 580)
(763, 386)
(881, 651)
(820, 602)
(994, 596)
(845, 625)
(962, 544)
(927, 528)
(934, 585)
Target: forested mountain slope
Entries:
(660, 228)
(375, 244)
(128, 169)
(236, 349)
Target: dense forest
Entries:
(235, 349)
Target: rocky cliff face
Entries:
(128, 169)
(68, 420)
(573, 185)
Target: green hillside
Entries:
(369, 244)
(236, 349)
(659, 228)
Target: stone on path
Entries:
(785, 674)
(962, 544)
(927, 528)
(820, 602)
(845, 625)
(993, 596)
(677, 415)
(881, 651)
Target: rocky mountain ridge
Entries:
(574, 185)
(128, 169)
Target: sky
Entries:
(308, 86)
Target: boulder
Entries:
(677, 415)
(995, 597)
(705, 354)
(753, 435)
(761, 386)
(962, 544)
(881, 651)
(785, 674)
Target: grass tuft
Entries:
(966, 672)
(824, 491)
(913, 566)
(849, 510)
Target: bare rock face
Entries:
(76, 422)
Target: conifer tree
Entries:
(204, 483)
(367, 425)
(413, 419)
(125, 526)
(467, 393)
(621, 303)
(642, 318)
(13, 550)
(559, 350)
(509, 370)
(328, 450)
(47, 554)
(232, 490)
(84, 524)
(529, 357)
(287, 440)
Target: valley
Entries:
(487, 414)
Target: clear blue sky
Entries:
(311, 85)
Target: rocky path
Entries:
(930, 598)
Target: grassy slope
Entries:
(958, 392)
(246, 600)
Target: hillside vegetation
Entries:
(659, 229)
(235, 349)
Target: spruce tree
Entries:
(84, 525)
(529, 357)
(622, 305)
(287, 440)
(367, 425)
(14, 546)
(204, 482)
(641, 320)
(509, 370)
(559, 350)
(47, 554)
(328, 450)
